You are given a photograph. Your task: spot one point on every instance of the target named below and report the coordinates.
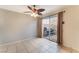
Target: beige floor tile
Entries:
(39, 45)
(11, 48)
(3, 49)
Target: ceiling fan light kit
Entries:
(34, 15)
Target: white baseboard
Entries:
(73, 49)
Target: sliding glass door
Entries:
(49, 28)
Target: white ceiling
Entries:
(23, 8)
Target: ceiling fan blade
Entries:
(39, 13)
(29, 7)
(41, 10)
(28, 12)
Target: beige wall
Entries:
(15, 26)
(71, 27)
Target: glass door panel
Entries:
(45, 27)
(53, 28)
(49, 28)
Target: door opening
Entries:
(49, 28)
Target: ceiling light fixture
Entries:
(34, 15)
(35, 12)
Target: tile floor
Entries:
(38, 45)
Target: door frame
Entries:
(59, 28)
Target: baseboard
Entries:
(69, 48)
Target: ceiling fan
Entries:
(34, 10)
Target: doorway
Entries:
(49, 28)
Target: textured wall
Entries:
(71, 27)
(15, 26)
